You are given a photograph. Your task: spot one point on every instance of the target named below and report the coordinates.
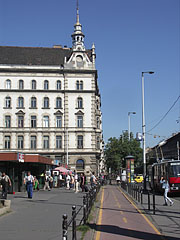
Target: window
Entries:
(79, 85)
(7, 142)
(58, 102)
(8, 102)
(58, 85)
(80, 102)
(33, 142)
(46, 85)
(45, 142)
(33, 85)
(21, 84)
(98, 142)
(80, 164)
(33, 122)
(7, 121)
(58, 121)
(20, 102)
(80, 141)
(20, 142)
(20, 121)
(8, 84)
(46, 102)
(58, 142)
(33, 102)
(97, 122)
(79, 121)
(46, 121)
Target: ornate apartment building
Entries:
(50, 103)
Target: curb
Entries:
(91, 233)
(4, 210)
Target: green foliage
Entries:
(117, 149)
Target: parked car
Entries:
(139, 179)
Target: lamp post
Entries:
(129, 131)
(143, 128)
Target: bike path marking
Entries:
(100, 216)
(147, 220)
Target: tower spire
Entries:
(77, 12)
(78, 36)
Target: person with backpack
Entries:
(5, 182)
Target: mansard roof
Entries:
(35, 55)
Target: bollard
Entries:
(141, 196)
(138, 194)
(87, 204)
(154, 203)
(148, 201)
(74, 223)
(84, 209)
(64, 227)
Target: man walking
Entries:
(5, 182)
(29, 181)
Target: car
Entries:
(139, 179)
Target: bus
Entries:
(170, 169)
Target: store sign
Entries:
(20, 157)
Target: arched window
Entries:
(80, 164)
(21, 84)
(79, 102)
(8, 84)
(8, 102)
(33, 102)
(33, 84)
(58, 102)
(46, 85)
(58, 85)
(46, 102)
(20, 102)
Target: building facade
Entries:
(50, 103)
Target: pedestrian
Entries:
(72, 182)
(93, 180)
(118, 179)
(165, 186)
(46, 182)
(5, 182)
(76, 180)
(83, 182)
(29, 181)
(68, 182)
(51, 181)
(36, 184)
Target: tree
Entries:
(117, 149)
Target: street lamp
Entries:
(143, 128)
(129, 132)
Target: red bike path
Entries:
(119, 218)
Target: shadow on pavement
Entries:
(129, 233)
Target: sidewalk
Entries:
(41, 217)
(119, 218)
(166, 218)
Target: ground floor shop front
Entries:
(17, 169)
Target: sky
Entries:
(131, 37)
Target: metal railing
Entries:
(137, 193)
(88, 201)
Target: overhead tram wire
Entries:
(164, 115)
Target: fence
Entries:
(88, 201)
(137, 193)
